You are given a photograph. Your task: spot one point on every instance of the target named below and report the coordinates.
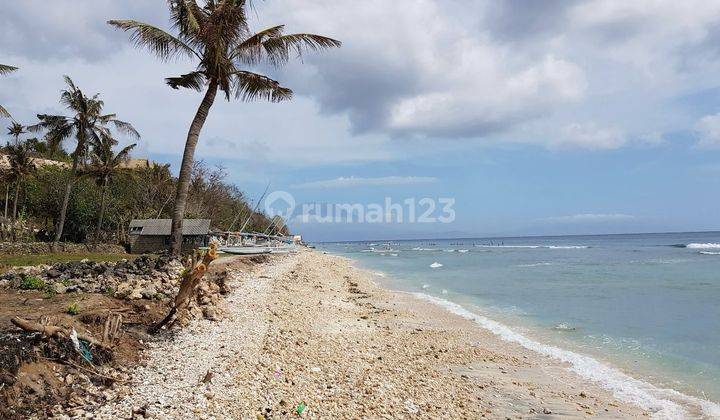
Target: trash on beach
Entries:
(435, 265)
(300, 408)
(315, 369)
(411, 407)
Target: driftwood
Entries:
(188, 287)
(54, 331)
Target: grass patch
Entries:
(32, 283)
(36, 259)
(73, 308)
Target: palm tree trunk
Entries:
(7, 197)
(102, 209)
(66, 199)
(185, 169)
(17, 194)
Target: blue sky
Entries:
(593, 116)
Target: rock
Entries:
(53, 273)
(210, 313)
(149, 292)
(547, 411)
(59, 288)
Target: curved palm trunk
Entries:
(186, 167)
(66, 199)
(17, 194)
(102, 209)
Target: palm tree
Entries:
(216, 34)
(87, 123)
(5, 69)
(16, 130)
(21, 165)
(104, 165)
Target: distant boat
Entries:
(245, 250)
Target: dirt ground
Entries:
(38, 375)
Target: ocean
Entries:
(637, 313)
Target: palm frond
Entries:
(250, 50)
(159, 42)
(249, 86)
(4, 113)
(278, 49)
(125, 128)
(5, 69)
(194, 80)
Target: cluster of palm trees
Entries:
(215, 34)
(93, 156)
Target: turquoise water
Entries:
(647, 305)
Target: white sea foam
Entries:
(709, 253)
(538, 264)
(379, 274)
(462, 251)
(703, 246)
(425, 286)
(662, 402)
(444, 291)
(535, 246)
(435, 265)
(417, 248)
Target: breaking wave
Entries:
(664, 403)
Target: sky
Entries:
(536, 118)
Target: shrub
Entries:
(32, 283)
(73, 308)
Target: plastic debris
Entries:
(300, 408)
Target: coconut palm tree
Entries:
(103, 166)
(86, 124)
(5, 69)
(216, 34)
(21, 165)
(16, 130)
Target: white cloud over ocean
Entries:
(345, 182)
(591, 218)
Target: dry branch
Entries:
(188, 287)
(53, 331)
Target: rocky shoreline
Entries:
(309, 335)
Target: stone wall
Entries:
(25, 248)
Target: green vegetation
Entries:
(5, 69)
(36, 259)
(73, 308)
(218, 37)
(32, 283)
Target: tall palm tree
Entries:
(5, 69)
(87, 123)
(103, 166)
(21, 165)
(215, 34)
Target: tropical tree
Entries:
(86, 124)
(16, 130)
(216, 34)
(103, 166)
(21, 165)
(5, 69)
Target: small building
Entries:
(153, 235)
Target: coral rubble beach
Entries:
(310, 334)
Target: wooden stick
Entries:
(53, 331)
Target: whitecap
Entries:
(463, 250)
(425, 286)
(444, 291)
(709, 253)
(379, 274)
(703, 246)
(435, 265)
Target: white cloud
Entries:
(708, 129)
(344, 182)
(591, 218)
(589, 136)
